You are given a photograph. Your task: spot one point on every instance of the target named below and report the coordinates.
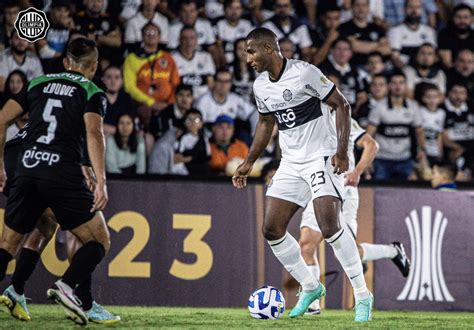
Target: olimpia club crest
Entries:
(426, 278)
(31, 24)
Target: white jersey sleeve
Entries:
(315, 83)
(261, 107)
(356, 133)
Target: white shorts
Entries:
(349, 216)
(301, 183)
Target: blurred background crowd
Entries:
(179, 88)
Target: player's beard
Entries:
(413, 19)
(461, 30)
(424, 66)
(19, 51)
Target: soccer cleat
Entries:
(61, 293)
(15, 303)
(99, 314)
(314, 308)
(306, 298)
(401, 260)
(363, 309)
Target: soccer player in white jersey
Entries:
(298, 97)
(310, 234)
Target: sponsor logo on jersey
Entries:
(278, 105)
(32, 157)
(31, 24)
(287, 95)
(426, 278)
(313, 90)
(286, 117)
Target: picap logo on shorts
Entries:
(32, 157)
(426, 278)
(32, 24)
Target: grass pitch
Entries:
(53, 317)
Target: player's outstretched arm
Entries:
(370, 148)
(96, 149)
(263, 133)
(11, 111)
(337, 101)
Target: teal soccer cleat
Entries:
(15, 303)
(363, 309)
(99, 314)
(306, 298)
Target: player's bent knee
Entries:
(308, 249)
(271, 233)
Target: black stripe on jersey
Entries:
(358, 138)
(194, 79)
(329, 94)
(298, 115)
(394, 130)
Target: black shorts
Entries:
(11, 162)
(29, 197)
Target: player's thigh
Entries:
(24, 206)
(94, 230)
(42, 234)
(308, 219)
(277, 216)
(349, 214)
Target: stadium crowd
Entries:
(179, 88)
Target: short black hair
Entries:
(151, 23)
(187, 2)
(183, 87)
(222, 70)
(112, 66)
(227, 3)
(379, 75)
(187, 27)
(397, 73)
(81, 49)
(458, 84)
(341, 39)
(461, 6)
(262, 34)
(353, 2)
(192, 111)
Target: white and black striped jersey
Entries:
(298, 33)
(433, 124)
(296, 99)
(459, 123)
(436, 76)
(195, 71)
(204, 31)
(394, 128)
(234, 106)
(405, 40)
(230, 33)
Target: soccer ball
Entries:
(266, 302)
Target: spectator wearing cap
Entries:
(188, 15)
(424, 70)
(150, 76)
(10, 10)
(391, 123)
(103, 29)
(18, 57)
(457, 36)
(59, 31)
(365, 36)
(195, 67)
(351, 78)
(463, 71)
(220, 100)
(224, 147)
(285, 25)
(406, 37)
(148, 12)
(118, 102)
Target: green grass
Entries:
(52, 317)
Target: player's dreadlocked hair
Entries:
(82, 50)
(263, 35)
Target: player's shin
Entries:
(346, 252)
(288, 252)
(83, 263)
(377, 251)
(5, 258)
(25, 266)
(84, 293)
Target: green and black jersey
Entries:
(56, 104)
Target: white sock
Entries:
(346, 252)
(288, 252)
(377, 251)
(314, 269)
